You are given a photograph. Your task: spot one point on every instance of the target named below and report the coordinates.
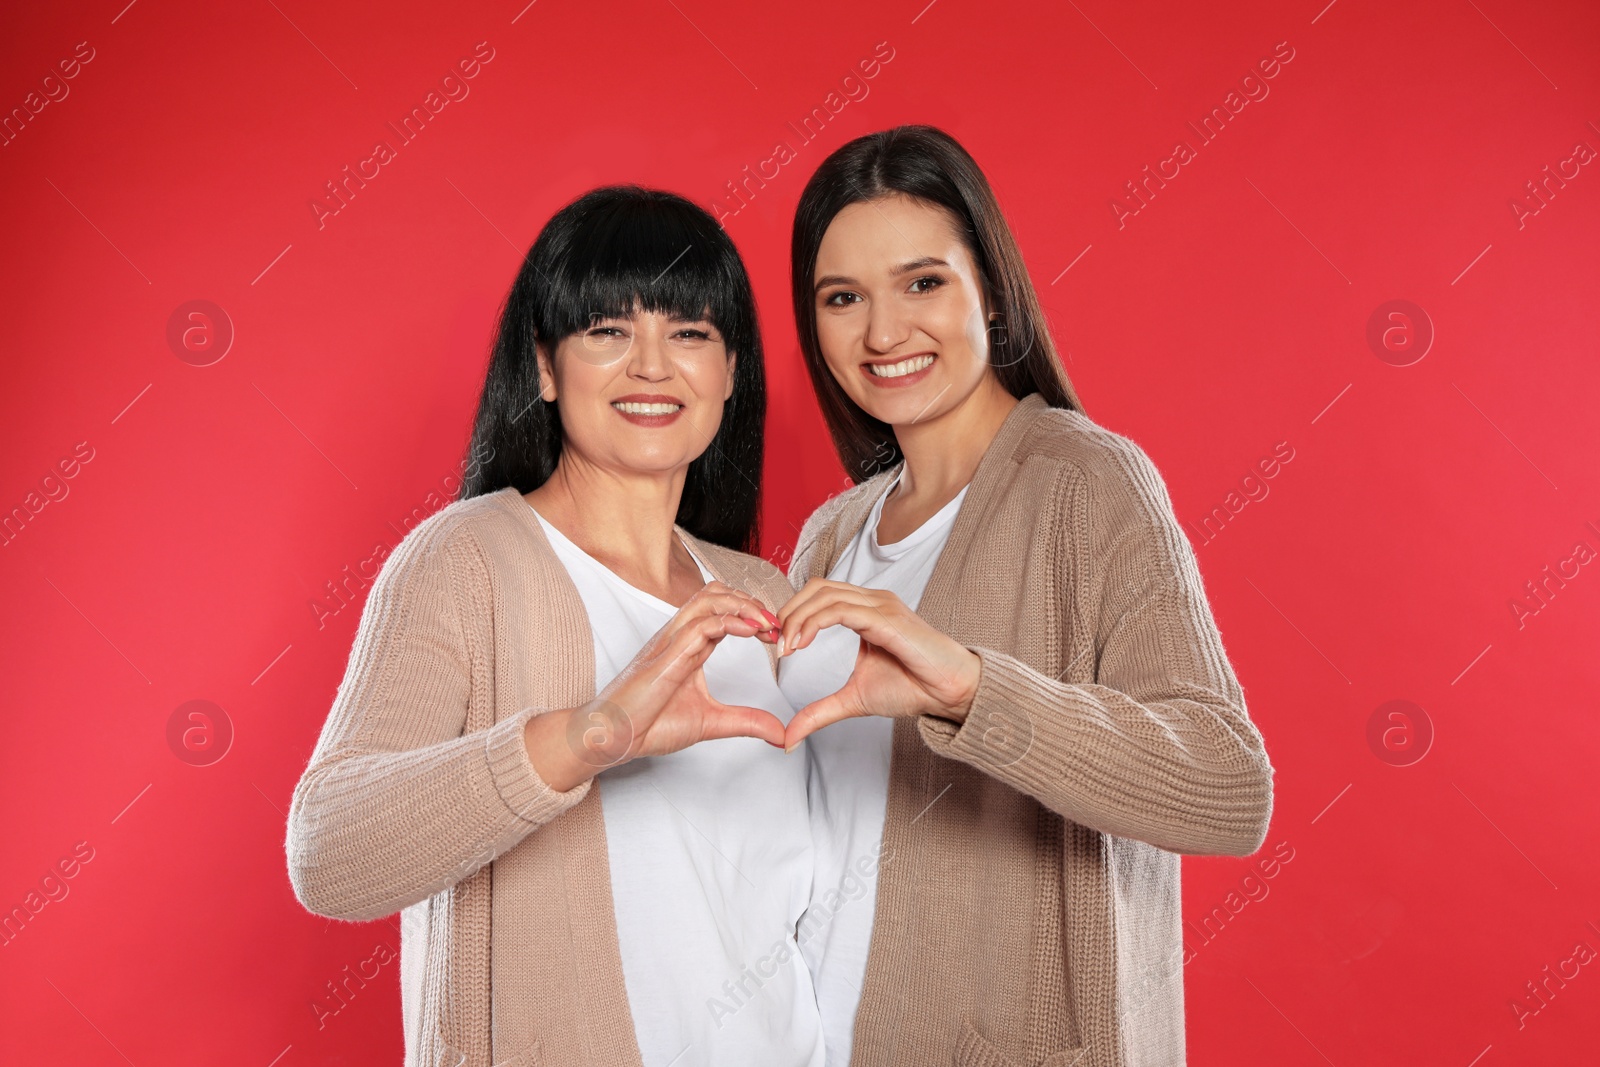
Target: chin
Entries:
(659, 463)
(903, 406)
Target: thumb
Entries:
(814, 716)
(737, 720)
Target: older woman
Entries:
(582, 626)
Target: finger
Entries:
(737, 600)
(717, 587)
(693, 644)
(729, 602)
(703, 635)
(737, 720)
(752, 608)
(936, 661)
(771, 628)
(828, 608)
(852, 614)
(771, 619)
(814, 716)
(813, 588)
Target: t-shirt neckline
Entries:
(930, 527)
(612, 576)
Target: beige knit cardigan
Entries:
(1028, 899)
(1027, 905)
(420, 795)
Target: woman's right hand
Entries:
(659, 702)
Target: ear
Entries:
(733, 364)
(547, 374)
(990, 312)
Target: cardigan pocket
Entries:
(447, 1055)
(975, 1050)
(1052, 1012)
(528, 1056)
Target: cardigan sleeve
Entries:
(399, 802)
(1160, 748)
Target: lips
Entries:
(648, 409)
(640, 408)
(902, 368)
(905, 371)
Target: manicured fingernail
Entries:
(773, 619)
(790, 748)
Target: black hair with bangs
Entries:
(613, 251)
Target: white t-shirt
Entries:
(849, 773)
(710, 855)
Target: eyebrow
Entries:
(904, 268)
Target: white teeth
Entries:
(905, 366)
(647, 408)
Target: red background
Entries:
(1228, 315)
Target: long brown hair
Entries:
(926, 163)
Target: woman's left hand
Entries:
(904, 667)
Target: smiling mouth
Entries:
(634, 407)
(901, 369)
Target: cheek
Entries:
(579, 386)
(708, 377)
(580, 425)
(582, 372)
(975, 335)
(834, 338)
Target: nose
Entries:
(886, 326)
(649, 360)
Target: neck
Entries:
(624, 519)
(943, 453)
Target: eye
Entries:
(933, 282)
(841, 298)
(694, 333)
(605, 331)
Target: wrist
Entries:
(546, 737)
(965, 684)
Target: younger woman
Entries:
(1016, 698)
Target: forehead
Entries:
(874, 235)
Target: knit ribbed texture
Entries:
(420, 795)
(1028, 906)
(1028, 890)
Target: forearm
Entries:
(372, 832)
(1186, 772)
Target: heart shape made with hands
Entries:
(904, 665)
